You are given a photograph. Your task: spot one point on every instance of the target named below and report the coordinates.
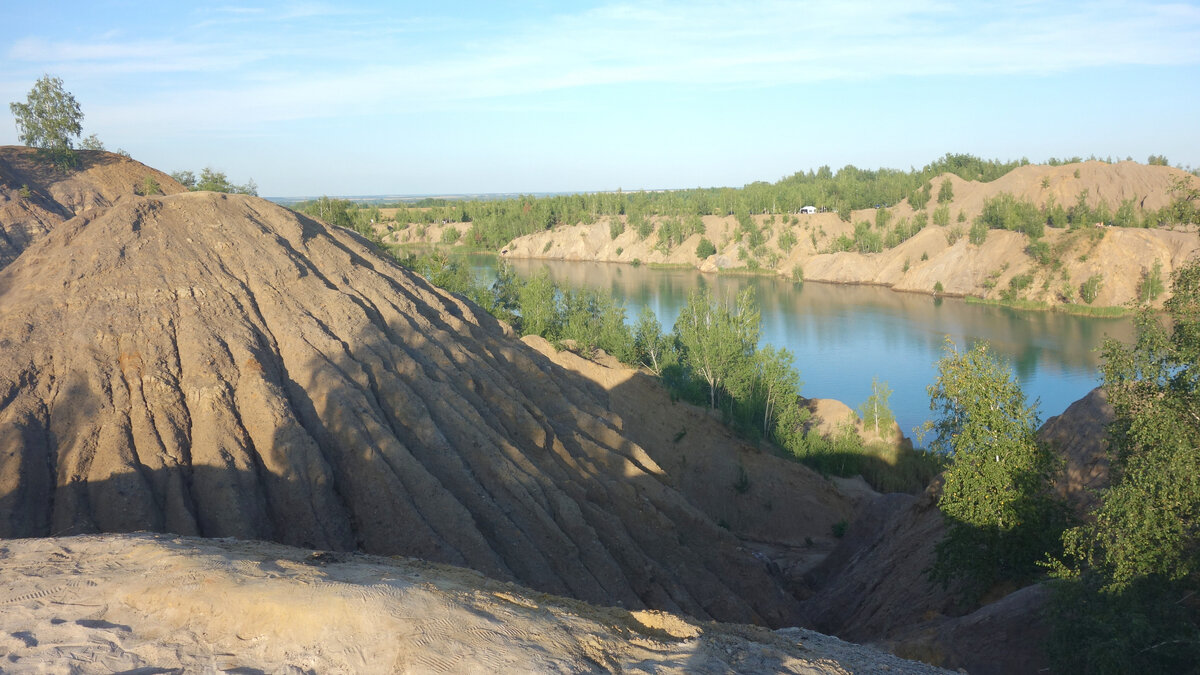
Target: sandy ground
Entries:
(154, 603)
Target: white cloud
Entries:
(316, 61)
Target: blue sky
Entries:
(413, 98)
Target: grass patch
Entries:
(1067, 308)
(747, 272)
(1031, 305)
(887, 468)
(425, 246)
(1088, 310)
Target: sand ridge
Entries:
(98, 604)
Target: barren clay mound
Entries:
(157, 604)
(35, 195)
(216, 365)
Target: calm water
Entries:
(843, 336)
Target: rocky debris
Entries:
(216, 365)
(158, 603)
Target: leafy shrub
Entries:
(1005, 212)
(978, 233)
(882, 218)
(450, 236)
(705, 248)
(946, 192)
(787, 240)
(1040, 251)
(149, 186)
(1021, 281)
(616, 227)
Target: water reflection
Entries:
(845, 335)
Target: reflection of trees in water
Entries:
(836, 312)
(844, 335)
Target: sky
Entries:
(458, 97)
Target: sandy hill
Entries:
(157, 604)
(216, 365)
(937, 254)
(35, 196)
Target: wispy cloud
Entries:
(317, 60)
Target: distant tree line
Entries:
(494, 223)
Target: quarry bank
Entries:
(216, 366)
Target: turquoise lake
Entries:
(844, 335)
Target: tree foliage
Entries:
(49, 119)
(718, 339)
(875, 413)
(778, 382)
(211, 180)
(1151, 285)
(1000, 514)
(1129, 600)
(945, 192)
(652, 349)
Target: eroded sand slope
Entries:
(101, 604)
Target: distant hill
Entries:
(912, 251)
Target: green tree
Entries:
(1001, 516)
(920, 197)
(1127, 601)
(595, 320)
(882, 218)
(1152, 283)
(49, 119)
(652, 348)
(212, 180)
(188, 179)
(717, 339)
(150, 186)
(875, 412)
(1090, 289)
(941, 215)
(778, 381)
(91, 142)
(978, 233)
(538, 301)
(705, 248)
(787, 239)
(946, 192)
